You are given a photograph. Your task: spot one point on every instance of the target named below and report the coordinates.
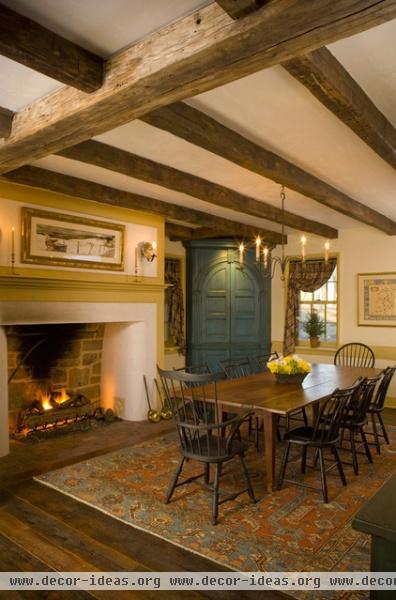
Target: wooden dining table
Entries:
(261, 394)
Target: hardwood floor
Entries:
(41, 529)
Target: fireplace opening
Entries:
(54, 375)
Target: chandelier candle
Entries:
(258, 244)
(241, 251)
(303, 243)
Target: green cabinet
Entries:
(228, 307)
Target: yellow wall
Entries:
(79, 285)
(360, 250)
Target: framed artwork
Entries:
(377, 299)
(51, 238)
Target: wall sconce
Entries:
(148, 250)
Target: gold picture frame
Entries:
(376, 299)
(51, 238)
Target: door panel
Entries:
(229, 307)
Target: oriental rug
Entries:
(287, 530)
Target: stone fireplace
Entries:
(105, 349)
(52, 360)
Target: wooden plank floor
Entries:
(43, 530)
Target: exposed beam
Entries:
(132, 165)
(179, 233)
(82, 188)
(197, 128)
(38, 48)
(322, 74)
(197, 53)
(6, 117)
(240, 8)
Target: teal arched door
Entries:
(228, 308)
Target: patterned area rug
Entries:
(288, 530)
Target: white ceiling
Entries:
(269, 107)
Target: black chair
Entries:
(376, 407)
(235, 368)
(299, 415)
(325, 434)
(259, 363)
(354, 355)
(355, 419)
(202, 436)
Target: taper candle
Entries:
(258, 244)
(265, 252)
(326, 253)
(303, 242)
(13, 241)
(241, 251)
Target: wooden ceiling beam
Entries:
(197, 53)
(132, 165)
(325, 77)
(38, 48)
(82, 188)
(180, 233)
(6, 117)
(240, 8)
(198, 128)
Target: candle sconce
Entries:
(13, 272)
(148, 250)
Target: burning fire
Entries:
(45, 399)
(62, 397)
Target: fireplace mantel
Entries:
(67, 281)
(133, 342)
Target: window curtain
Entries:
(305, 277)
(175, 305)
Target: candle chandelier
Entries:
(269, 261)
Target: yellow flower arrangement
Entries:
(289, 365)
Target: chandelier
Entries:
(270, 261)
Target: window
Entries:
(324, 300)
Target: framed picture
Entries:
(50, 238)
(377, 299)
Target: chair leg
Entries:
(366, 446)
(383, 428)
(375, 432)
(278, 433)
(287, 422)
(173, 481)
(215, 499)
(247, 477)
(354, 453)
(283, 466)
(303, 459)
(339, 466)
(207, 472)
(316, 456)
(323, 476)
(304, 414)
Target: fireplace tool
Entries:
(166, 413)
(154, 416)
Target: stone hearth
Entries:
(129, 351)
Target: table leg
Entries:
(269, 420)
(315, 412)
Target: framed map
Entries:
(377, 299)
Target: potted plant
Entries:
(289, 369)
(314, 326)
